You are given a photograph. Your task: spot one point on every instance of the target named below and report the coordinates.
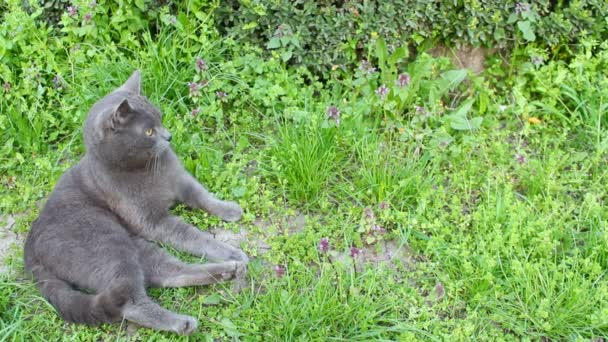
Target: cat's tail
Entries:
(77, 306)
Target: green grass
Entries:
(303, 160)
(509, 216)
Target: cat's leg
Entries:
(176, 275)
(192, 193)
(164, 270)
(123, 286)
(127, 286)
(187, 238)
(151, 315)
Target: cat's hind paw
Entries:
(230, 212)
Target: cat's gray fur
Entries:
(91, 251)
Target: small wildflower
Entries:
(520, 158)
(378, 229)
(367, 67)
(382, 91)
(87, 17)
(57, 82)
(172, 20)
(200, 64)
(72, 11)
(502, 108)
(533, 120)
(279, 270)
(333, 113)
(355, 252)
(439, 291)
(369, 213)
(522, 7)
(93, 4)
(323, 245)
(195, 88)
(7, 87)
(221, 95)
(383, 205)
(195, 111)
(422, 111)
(403, 80)
(537, 60)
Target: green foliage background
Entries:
(494, 184)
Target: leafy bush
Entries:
(321, 34)
(573, 94)
(137, 12)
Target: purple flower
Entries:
(520, 158)
(421, 110)
(369, 213)
(195, 111)
(279, 270)
(57, 82)
(221, 95)
(333, 113)
(383, 205)
(403, 80)
(367, 67)
(6, 86)
(522, 7)
(200, 64)
(378, 229)
(355, 252)
(382, 91)
(323, 245)
(88, 17)
(537, 60)
(439, 291)
(72, 11)
(195, 88)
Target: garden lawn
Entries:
(401, 200)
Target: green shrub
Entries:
(320, 34)
(135, 11)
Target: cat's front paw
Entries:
(230, 212)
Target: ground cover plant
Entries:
(395, 198)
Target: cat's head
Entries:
(124, 129)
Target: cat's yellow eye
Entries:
(149, 132)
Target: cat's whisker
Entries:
(156, 172)
(148, 164)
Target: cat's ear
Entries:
(133, 84)
(121, 114)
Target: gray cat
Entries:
(91, 249)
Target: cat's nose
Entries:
(166, 134)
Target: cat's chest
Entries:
(149, 194)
